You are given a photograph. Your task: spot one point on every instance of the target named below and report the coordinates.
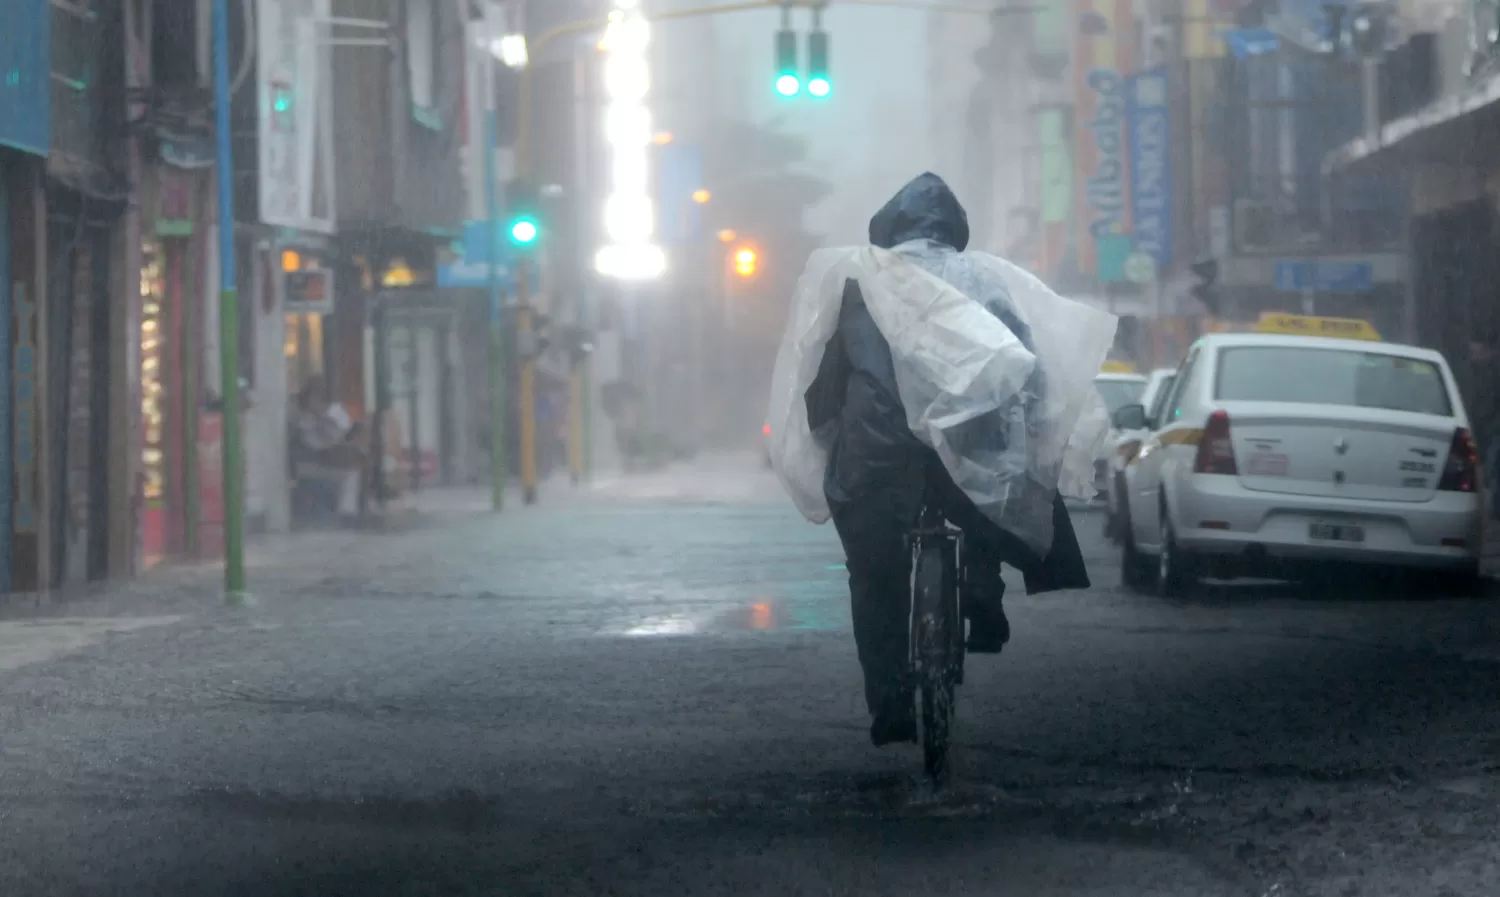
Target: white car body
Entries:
(1123, 444)
(1332, 481)
(1113, 388)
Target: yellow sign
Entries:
(1117, 367)
(1303, 325)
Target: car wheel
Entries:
(1120, 517)
(1137, 571)
(1173, 577)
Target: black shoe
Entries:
(895, 723)
(988, 632)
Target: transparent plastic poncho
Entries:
(957, 366)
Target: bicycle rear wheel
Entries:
(935, 617)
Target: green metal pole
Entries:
(497, 335)
(229, 321)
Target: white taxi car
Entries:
(1124, 440)
(1275, 450)
(1119, 386)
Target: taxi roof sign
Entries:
(1117, 367)
(1307, 325)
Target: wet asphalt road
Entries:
(654, 692)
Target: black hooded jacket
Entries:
(854, 406)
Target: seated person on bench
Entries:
(330, 446)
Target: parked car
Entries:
(1276, 454)
(1124, 441)
(1117, 388)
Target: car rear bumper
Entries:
(1217, 516)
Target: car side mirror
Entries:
(1129, 417)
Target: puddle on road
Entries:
(761, 615)
(819, 604)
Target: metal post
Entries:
(497, 334)
(1309, 301)
(527, 387)
(229, 319)
(1370, 81)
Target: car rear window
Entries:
(1119, 393)
(1331, 377)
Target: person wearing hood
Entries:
(877, 469)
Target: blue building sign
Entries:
(472, 271)
(1325, 276)
(26, 76)
(1149, 130)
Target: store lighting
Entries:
(631, 262)
(629, 213)
(511, 50)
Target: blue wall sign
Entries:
(26, 76)
(1324, 276)
(473, 269)
(1149, 130)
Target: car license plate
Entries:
(1336, 532)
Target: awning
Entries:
(1445, 130)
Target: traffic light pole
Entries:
(498, 415)
(229, 321)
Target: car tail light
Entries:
(1215, 449)
(1461, 473)
(766, 430)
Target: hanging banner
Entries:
(1104, 49)
(1149, 127)
(294, 91)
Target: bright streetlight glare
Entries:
(727, 236)
(788, 85)
(701, 196)
(819, 87)
(745, 257)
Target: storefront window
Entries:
(153, 398)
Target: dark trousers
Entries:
(874, 530)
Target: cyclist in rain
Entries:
(874, 480)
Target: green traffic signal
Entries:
(818, 83)
(524, 231)
(788, 83)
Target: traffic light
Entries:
(1205, 291)
(523, 222)
(745, 262)
(1367, 28)
(788, 79)
(818, 84)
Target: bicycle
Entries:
(936, 624)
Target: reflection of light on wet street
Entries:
(677, 625)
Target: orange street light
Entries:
(662, 138)
(745, 262)
(727, 236)
(701, 196)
